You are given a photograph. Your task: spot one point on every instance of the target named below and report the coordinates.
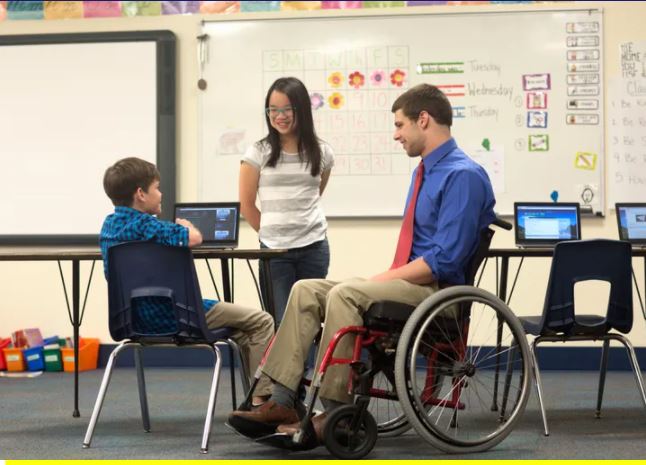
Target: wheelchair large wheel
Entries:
(387, 412)
(350, 434)
(472, 339)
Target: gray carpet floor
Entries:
(36, 421)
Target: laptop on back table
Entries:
(544, 224)
(219, 222)
(631, 222)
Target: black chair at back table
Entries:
(574, 262)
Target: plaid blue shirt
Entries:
(154, 315)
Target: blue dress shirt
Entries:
(455, 203)
(153, 315)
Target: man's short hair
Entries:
(122, 179)
(428, 98)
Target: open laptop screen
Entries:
(218, 222)
(631, 220)
(540, 224)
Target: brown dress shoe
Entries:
(317, 424)
(261, 421)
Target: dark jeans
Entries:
(311, 261)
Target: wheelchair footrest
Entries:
(249, 428)
(285, 441)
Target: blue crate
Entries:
(34, 358)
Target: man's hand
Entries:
(382, 277)
(416, 272)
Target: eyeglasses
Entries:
(274, 112)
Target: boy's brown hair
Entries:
(122, 179)
(425, 97)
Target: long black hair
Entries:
(309, 149)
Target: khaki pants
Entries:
(255, 329)
(336, 304)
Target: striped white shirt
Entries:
(290, 203)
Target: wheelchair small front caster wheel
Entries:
(350, 433)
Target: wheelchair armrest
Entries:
(502, 224)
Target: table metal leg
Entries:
(502, 293)
(226, 280)
(76, 324)
(226, 291)
(265, 266)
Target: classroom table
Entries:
(77, 253)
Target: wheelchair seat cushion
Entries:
(387, 312)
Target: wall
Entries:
(31, 291)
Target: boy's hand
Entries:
(194, 234)
(185, 223)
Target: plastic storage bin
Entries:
(3, 344)
(88, 355)
(52, 340)
(34, 358)
(14, 358)
(53, 358)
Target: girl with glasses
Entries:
(288, 170)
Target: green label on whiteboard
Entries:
(445, 67)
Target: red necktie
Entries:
(405, 242)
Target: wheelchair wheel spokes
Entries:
(385, 407)
(454, 335)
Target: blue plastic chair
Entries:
(146, 269)
(577, 261)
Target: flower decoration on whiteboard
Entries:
(336, 101)
(335, 79)
(316, 100)
(356, 80)
(398, 77)
(378, 77)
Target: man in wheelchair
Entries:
(450, 201)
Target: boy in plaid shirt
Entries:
(132, 184)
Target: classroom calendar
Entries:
(352, 92)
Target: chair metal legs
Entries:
(539, 386)
(212, 396)
(244, 369)
(602, 370)
(141, 384)
(604, 366)
(633, 362)
(142, 391)
(99, 400)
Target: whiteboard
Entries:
(72, 105)
(526, 89)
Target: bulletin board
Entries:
(526, 89)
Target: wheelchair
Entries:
(434, 367)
